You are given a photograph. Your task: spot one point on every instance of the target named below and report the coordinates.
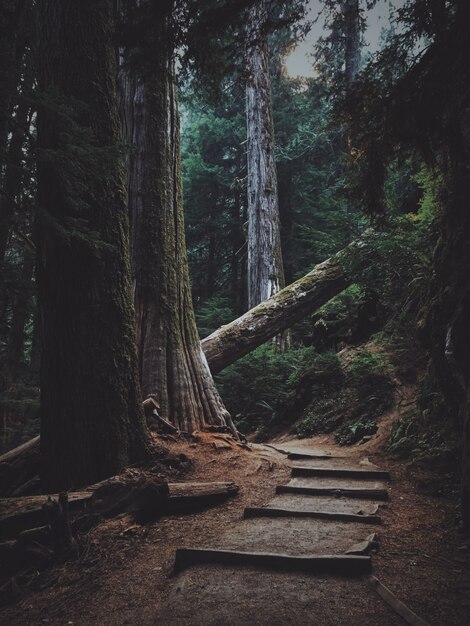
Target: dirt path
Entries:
(335, 590)
(125, 574)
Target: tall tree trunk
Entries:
(92, 422)
(448, 328)
(13, 176)
(172, 365)
(35, 359)
(12, 40)
(21, 311)
(236, 240)
(265, 270)
(352, 26)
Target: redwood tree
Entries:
(92, 422)
(265, 268)
(173, 367)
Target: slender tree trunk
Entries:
(265, 270)
(211, 260)
(13, 176)
(11, 50)
(172, 365)
(35, 360)
(92, 422)
(236, 239)
(352, 25)
(21, 311)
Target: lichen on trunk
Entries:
(265, 268)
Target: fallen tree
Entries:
(225, 346)
(229, 343)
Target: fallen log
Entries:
(144, 499)
(19, 466)
(225, 346)
(20, 451)
(288, 306)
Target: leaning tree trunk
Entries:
(92, 422)
(265, 269)
(172, 365)
(229, 343)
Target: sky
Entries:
(298, 63)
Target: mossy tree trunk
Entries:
(265, 268)
(92, 422)
(173, 368)
(277, 314)
(448, 322)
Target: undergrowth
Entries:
(352, 413)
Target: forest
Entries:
(234, 279)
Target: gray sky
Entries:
(298, 63)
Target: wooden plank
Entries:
(189, 497)
(364, 547)
(326, 515)
(342, 565)
(340, 473)
(202, 489)
(397, 605)
(296, 456)
(365, 494)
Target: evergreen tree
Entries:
(265, 268)
(172, 365)
(92, 422)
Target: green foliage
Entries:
(396, 265)
(349, 318)
(213, 313)
(255, 388)
(418, 432)
(352, 410)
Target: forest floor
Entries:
(124, 574)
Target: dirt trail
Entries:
(261, 596)
(125, 574)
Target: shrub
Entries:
(256, 387)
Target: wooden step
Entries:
(340, 472)
(296, 456)
(326, 515)
(352, 492)
(342, 565)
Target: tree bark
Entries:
(265, 269)
(21, 311)
(92, 422)
(173, 368)
(13, 176)
(280, 312)
(352, 25)
(12, 44)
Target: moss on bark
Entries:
(92, 422)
